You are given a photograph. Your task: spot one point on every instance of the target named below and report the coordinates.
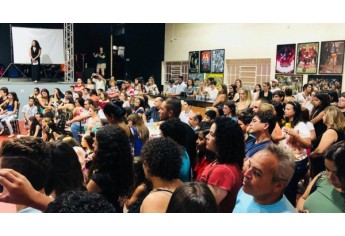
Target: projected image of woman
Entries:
(35, 54)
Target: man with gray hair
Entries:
(264, 182)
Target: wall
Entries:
(242, 41)
(144, 50)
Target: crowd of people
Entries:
(91, 149)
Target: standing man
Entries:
(101, 62)
(264, 182)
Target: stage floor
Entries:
(24, 87)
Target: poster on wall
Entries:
(293, 81)
(199, 76)
(285, 58)
(331, 57)
(219, 78)
(194, 62)
(205, 61)
(326, 82)
(307, 58)
(217, 62)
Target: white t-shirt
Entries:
(299, 152)
(30, 111)
(212, 93)
(180, 88)
(99, 84)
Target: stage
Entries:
(24, 87)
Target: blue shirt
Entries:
(245, 204)
(252, 147)
(185, 171)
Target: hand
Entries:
(17, 188)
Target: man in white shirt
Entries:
(181, 86)
(274, 85)
(304, 97)
(171, 87)
(29, 110)
(99, 81)
(212, 91)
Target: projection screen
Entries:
(50, 40)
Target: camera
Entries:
(94, 75)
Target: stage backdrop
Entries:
(50, 40)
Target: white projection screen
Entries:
(50, 40)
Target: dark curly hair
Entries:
(80, 202)
(267, 117)
(66, 174)
(176, 130)
(229, 141)
(162, 156)
(114, 157)
(246, 116)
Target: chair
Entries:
(14, 123)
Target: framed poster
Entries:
(199, 76)
(217, 61)
(332, 57)
(293, 81)
(219, 78)
(194, 62)
(326, 82)
(285, 58)
(205, 61)
(307, 58)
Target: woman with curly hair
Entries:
(224, 175)
(111, 172)
(162, 164)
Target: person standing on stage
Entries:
(101, 61)
(35, 56)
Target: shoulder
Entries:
(156, 202)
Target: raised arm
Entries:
(18, 190)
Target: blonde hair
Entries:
(140, 126)
(266, 107)
(334, 118)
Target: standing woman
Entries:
(35, 56)
(101, 61)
